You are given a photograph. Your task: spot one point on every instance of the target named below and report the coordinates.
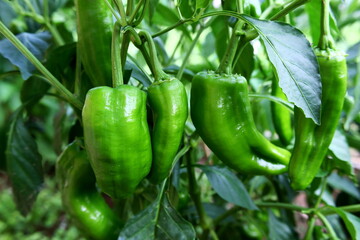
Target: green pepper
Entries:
(312, 141)
(80, 198)
(117, 138)
(168, 102)
(221, 113)
(94, 28)
(281, 116)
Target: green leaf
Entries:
(295, 64)
(342, 159)
(33, 89)
(137, 73)
(278, 230)
(245, 64)
(187, 8)
(23, 165)
(228, 186)
(220, 30)
(202, 3)
(209, 45)
(252, 8)
(152, 10)
(37, 43)
(61, 63)
(344, 185)
(173, 69)
(351, 221)
(158, 221)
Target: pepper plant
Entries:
(223, 119)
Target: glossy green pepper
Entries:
(81, 200)
(312, 141)
(117, 138)
(281, 116)
(94, 28)
(221, 113)
(168, 102)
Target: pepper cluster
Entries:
(123, 148)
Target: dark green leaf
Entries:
(6, 13)
(188, 74)
(23, 165)
(209, 45)
(351, 221)
(151, 10)
(187, 8)
(343, 184)
(33, 89)
(220, 29)
(245, 64)
(341, 152)
(158, 221)
(37, 43)
(61, 63)
(295, 64)
(137, 73)
(228, 186)
(277, 229)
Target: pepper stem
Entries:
(228, 58)
(325, 40)
(117, 73)
(155, 65)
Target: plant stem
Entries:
(188, 53)
(57, 37)
(121, 8)
(53, 81)
(133, 15)
(228, 58)
(281, 205)
(349, 208)
(325, 40)
(293, 5)
(323, 187)
(240, 6)
(77, 88)
(117, 70)
(311, 225)
(176, 48)
(196, 195)
(130, 7)
(179, 23)
(328, 226)
(112, 10)
(156, 67)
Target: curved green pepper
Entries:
(281, 116)
(94, 28)
(117, 138)
(81, 200)
(168, 102)
(312, 141)
(221, 113)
